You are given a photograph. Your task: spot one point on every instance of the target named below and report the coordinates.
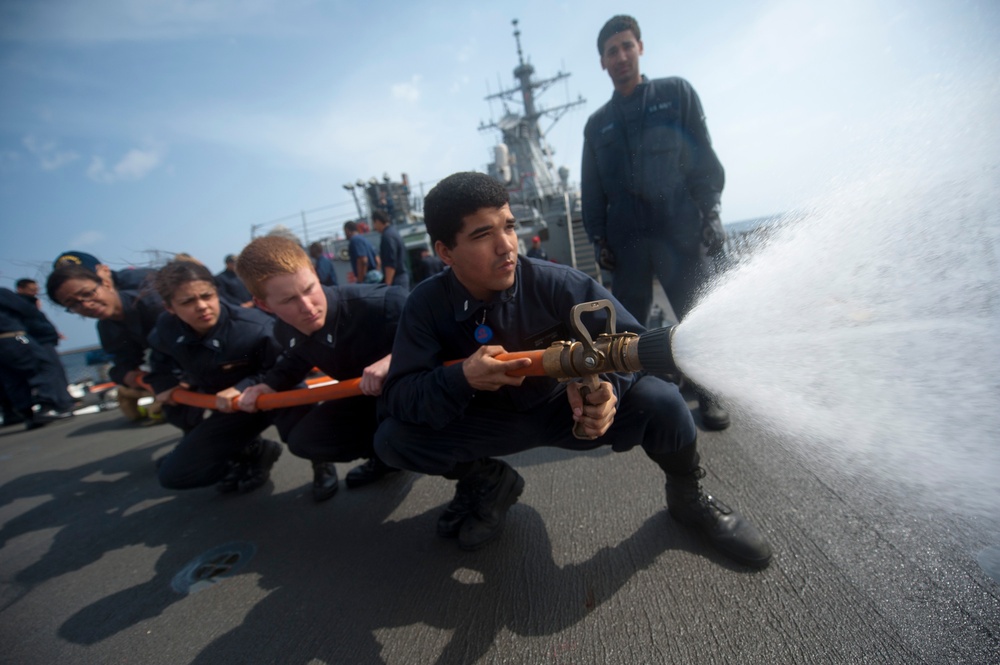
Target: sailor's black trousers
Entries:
(651, 414)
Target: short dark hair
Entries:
(171, 276)
(63, 274)
(350, 227)
(379, 216)
(616, 24)
(25, 281)
(455, 198)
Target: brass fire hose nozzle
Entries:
(586, 358)
(611, 351)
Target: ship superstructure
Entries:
(522, 160)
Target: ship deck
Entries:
(589, 569)
(99, 564)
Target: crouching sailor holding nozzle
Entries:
(453, 420)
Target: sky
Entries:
(131, 126)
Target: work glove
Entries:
(712, 234)
(605, 257)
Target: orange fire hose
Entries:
(339, 390)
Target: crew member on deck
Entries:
(454, 420)
(133, 279)
(125, 317)
(30, 374)
(345, 331)
(230, 287)
(392, 251)
(208, 345)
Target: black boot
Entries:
(727, 531)
(47, 414)
(493, 487)
(231, 481)
(261, 456)
(456, 511)
(12, 417)
(367, 473)
(713, 416)
(325, 481)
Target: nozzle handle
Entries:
(590, 382)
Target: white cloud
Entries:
(409, 91)
(50, 157)
(97, 171)
(87, 239)
(459, 84)
(467, 52)
(136, 164)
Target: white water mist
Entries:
(866, 330)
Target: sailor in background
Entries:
(230, 287)
(30, 369)
(536, 251)
(364, 260)
(651, 186)
(428, 265)
(324, 266)
(392, 251)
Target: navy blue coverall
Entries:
(235, 353)
(29, 364)
(360, 326)
(126, 340)
(392, 251)
(649, 180)
(231, 288)
(437, 421)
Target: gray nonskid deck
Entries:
(589, 569)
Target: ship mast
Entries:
(523, 159)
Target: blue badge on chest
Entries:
(483, 333)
